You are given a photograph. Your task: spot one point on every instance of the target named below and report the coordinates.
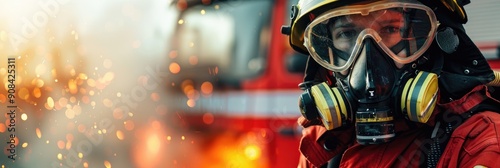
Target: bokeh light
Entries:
(115, 87)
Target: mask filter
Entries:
(419, 96)
(331, 105)
(327, 104)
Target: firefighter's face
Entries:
(387, 24)
(401, 30)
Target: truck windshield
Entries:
(228, 39)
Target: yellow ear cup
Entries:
(331, 105)
(419, 96)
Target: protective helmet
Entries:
(448, 12)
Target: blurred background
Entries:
(159, 83)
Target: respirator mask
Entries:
(369, 49)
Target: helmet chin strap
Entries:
(310, 73)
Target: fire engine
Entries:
(236, 79)
(235, 83)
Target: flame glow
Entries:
(94, 83)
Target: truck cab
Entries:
(234, 83)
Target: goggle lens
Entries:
(403, 30)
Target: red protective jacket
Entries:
(476, 142)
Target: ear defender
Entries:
(328, 104)
(419, 96)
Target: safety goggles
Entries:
(404, 30)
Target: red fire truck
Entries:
(235, 81)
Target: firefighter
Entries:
(393, 83)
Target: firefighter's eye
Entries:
(345, 34)
(390, 30)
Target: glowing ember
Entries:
(38, 133)
(37, 93)
(70, 137)
(118, 113)
(2, 127)
(63, 101)
(70, 114)
(174, 68)
(120, 135)
(77, 109)
(72, 99)
(108, 103)
(155, 96)
(191, 103)
(2, 98)
(188, 88)
(24, 117)
(208, 118)
(207, 88)
(39, 83)
(82, 76)
(193, 60)
(50, 103)
(73, 89)
(172, 54)
(60, 144)
(81, 128)
(108, 76)
(68, 145)
(156, 124)
(91, 82)
(129, 125)
(107, 164)
(24, 93)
